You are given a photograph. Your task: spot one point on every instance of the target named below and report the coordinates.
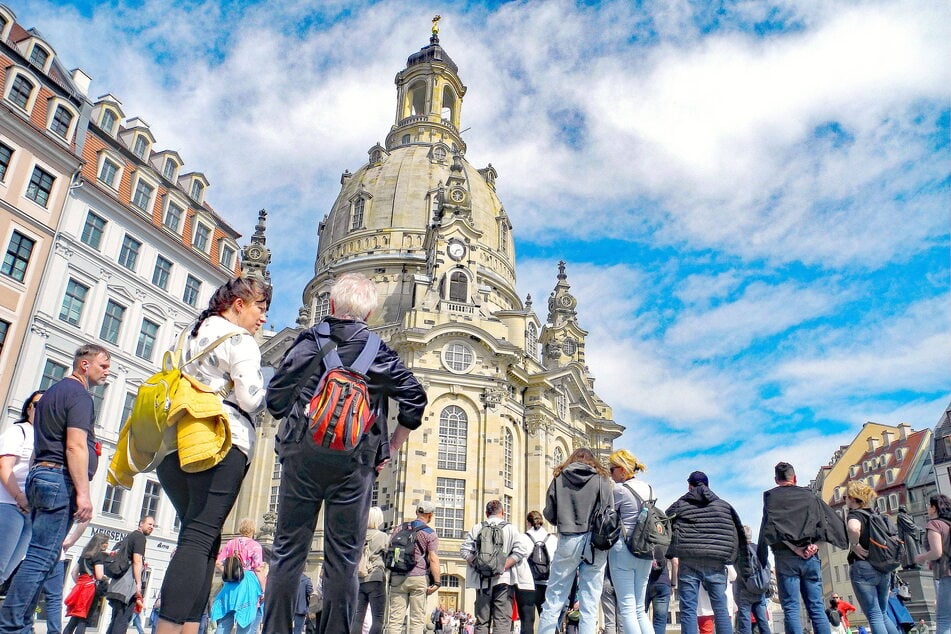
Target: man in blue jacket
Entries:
(339, 481)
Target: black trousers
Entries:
(373, 595)
(343, 486)
(526, 600)
(121, 615)
(493, 605)
(202, 501)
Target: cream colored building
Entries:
(510, 396)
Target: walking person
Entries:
(83, 603)
(629, 574)
(238, 603)
(870, 586)
(938, 530)
(372, 593)
(659, 588)
(581, 486)
(525, 599)
(305, 590)
(204, 499)
(750, 603)
(16, 450)
(125, 592)
(539, 559)
(65, 457)
(313, 477)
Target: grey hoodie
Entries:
(573, 495)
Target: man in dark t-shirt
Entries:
(57, 487)
(123, 605)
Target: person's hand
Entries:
(858, 550)
(432, 589)
(809, 551)
(83, 508)
(22, 503)
(382, 465)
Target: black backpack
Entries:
(759, 579)
(885, 547)
(490, 554)
(539, 561)
(652, 527)
(118, 562)
(835, 618)
(400, 554)
(605, 524)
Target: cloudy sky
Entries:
(752, 197)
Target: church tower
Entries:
(431, 232)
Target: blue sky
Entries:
(752, 197)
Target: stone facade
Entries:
(510, 396)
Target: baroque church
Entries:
(510, 396)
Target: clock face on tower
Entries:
(456, 249)
(457, 195)
(254, 253)
(566, 301)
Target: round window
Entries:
(458, 357)
(569, 347)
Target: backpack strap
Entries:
(365, 359)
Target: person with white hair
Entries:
(316, 475)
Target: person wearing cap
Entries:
(707, 535)
(795, 520)
(339, 483)
(407, 593)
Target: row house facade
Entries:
(126, 251)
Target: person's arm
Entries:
(75, 534)
(845, 607)
(674, 571)
(284, 385)
(518, 552)
(550, 512)
(137, 572)
(99, 572)
(935, 548)
(77, 462)
(245, 371)
(854, 529)
(433, 559)
(10, 483)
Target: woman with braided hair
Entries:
(203, 499)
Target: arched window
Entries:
(417, 99)
(531, 341)
(508, 457)
(322, 309)
(448, 104)
(504, 237)
(458, 287)
(356, 221)
(558, 456)
(453, 425)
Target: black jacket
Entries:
(706, 528)
(289, 392)
(573, 496)
(796, 515)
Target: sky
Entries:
(752, 198)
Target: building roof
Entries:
(942, 453)
(432, 53)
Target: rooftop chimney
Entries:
(904, 430)
(888, 437)
(82, 81)
(873, 443)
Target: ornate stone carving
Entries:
(40, 331)
(534, 422)
(62, 249)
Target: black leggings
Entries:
(202, 501)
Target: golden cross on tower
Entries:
(436, 19)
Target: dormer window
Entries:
(62, 122)
(197, 190)
(376, 156)
(169, 169)
(108, 121)
(109, 172)
(39, 56)
(227, 255)
(140, 146)
(202, 238)
(173, 216)
(356, 214)
(21, 92)
(142, 195)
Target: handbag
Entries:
(232, 569)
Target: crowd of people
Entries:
(579, 578)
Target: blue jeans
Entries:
(629, 575)
(53, 589)
(658, 596)
(568, 560)
(796, 576)
(13, 523)
(690, 576)
(226, 625)
(745, 608)
(871, 589)
(53, 502)
(943, 616)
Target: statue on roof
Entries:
(436, 19)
